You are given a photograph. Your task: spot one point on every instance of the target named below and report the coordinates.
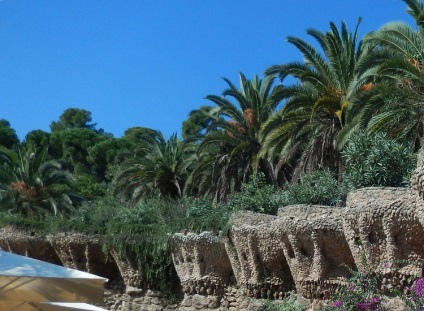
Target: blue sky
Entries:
(150, 62)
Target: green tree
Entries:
(8, 137)
(106, 152)
(34, 187)
(135, 138)
(73, 146)
(393, 103)
(229, 152)
(37, 139)
(137, 134)
(89, 187)
(197, 123)
(159, 167)
(73, 118)
(315, 107)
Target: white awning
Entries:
(48, 306)
(31, 280)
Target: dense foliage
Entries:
(352, 118)
(257, 196)
(139, 232)
(289, 303)
(375, 160)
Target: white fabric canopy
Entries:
(59, 306)
(27, 279)
(48, 306)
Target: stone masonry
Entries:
(309, 249)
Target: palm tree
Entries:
(33, 186)
(229, 152)
(315, 107)
(158, 166)
(394, 103)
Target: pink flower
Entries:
(417, 288)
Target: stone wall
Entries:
(309, 249)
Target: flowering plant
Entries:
(414, 300)
(360, 294)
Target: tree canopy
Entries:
(301, 118)
(73, 118)
(8, 137)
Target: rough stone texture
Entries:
(257, 257)
(202, 265)
(137, 300)
(306, 248)
(261, 256)
(313, 242)
(312, 247)
(417, 185)
(132, 277)
(381, 225)
(82, 252)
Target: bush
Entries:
(257, 196)
(140, 232)
(289, 303)
(375, 160)
(320, 188)
(24, 223)
(200, 215)
(361, 293)
(414, 300)
(90, 188)
(90, 218)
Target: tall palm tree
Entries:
(315, 107)
(394, 103)
(229, 152)
(33, 186)
(158, 166)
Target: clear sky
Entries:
(150, 62)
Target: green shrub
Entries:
(375, 160)
(89, 187)
(257, 196)
(320, 187)
(23, 223)
(200, 215)
(90, 218)
(289, 303)
(141, 232)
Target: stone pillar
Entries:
(384, 233)
(256, 254)
(315, 247)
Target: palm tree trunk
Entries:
(177, 187)
(266, 168)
